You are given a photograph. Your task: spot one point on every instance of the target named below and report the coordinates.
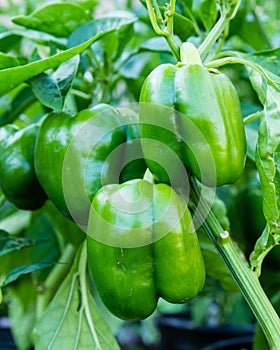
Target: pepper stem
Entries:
(244, 277)
(189, 54)
(148, 176)
(159, 26)
(228, 12)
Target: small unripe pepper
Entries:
(17, 175)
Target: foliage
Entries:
(66, 56)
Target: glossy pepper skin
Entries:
(17, 176)
(133, 267)
(208, 100)
(76, 155)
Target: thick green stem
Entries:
(213, 36)
(217, 30)
(244, 277)
(170, 14)
(173, 46)
(54, 279)
(247, 63)
(252, 117)
(222, 40)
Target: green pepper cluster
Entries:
(141, 241)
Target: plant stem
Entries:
(170, 21)
(244, 277)
(54, 279)
(173, 46)
(84, 294)
(217, 30)
(252, 117)
(157, 11)
(222, 40)
(239, 60)
(213, 36)
(153, 10)
(155, 15)
(92, 56)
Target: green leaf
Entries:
(183, 27)
(42, 231)
(86, 4)
(52, 89)
(208, 13)
(7, 61)
(258, 74)
(184, 7)
(268, 59)
(267, 162)
(9, 244)
(9, 40)
(23, 270)
(11, 77)
(22, 311)
(251, 137)
(12, 37)
(118, 30)
(72, 320)
(262, 247)
(118, 25)
(251, 34)
(13, 105)
(268, 143)
(58, 19)
(12, 260)
(43, 247)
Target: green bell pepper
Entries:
(77, 155)
(17, 175)
(195, 113)
(141, 246)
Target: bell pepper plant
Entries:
(139, 166)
